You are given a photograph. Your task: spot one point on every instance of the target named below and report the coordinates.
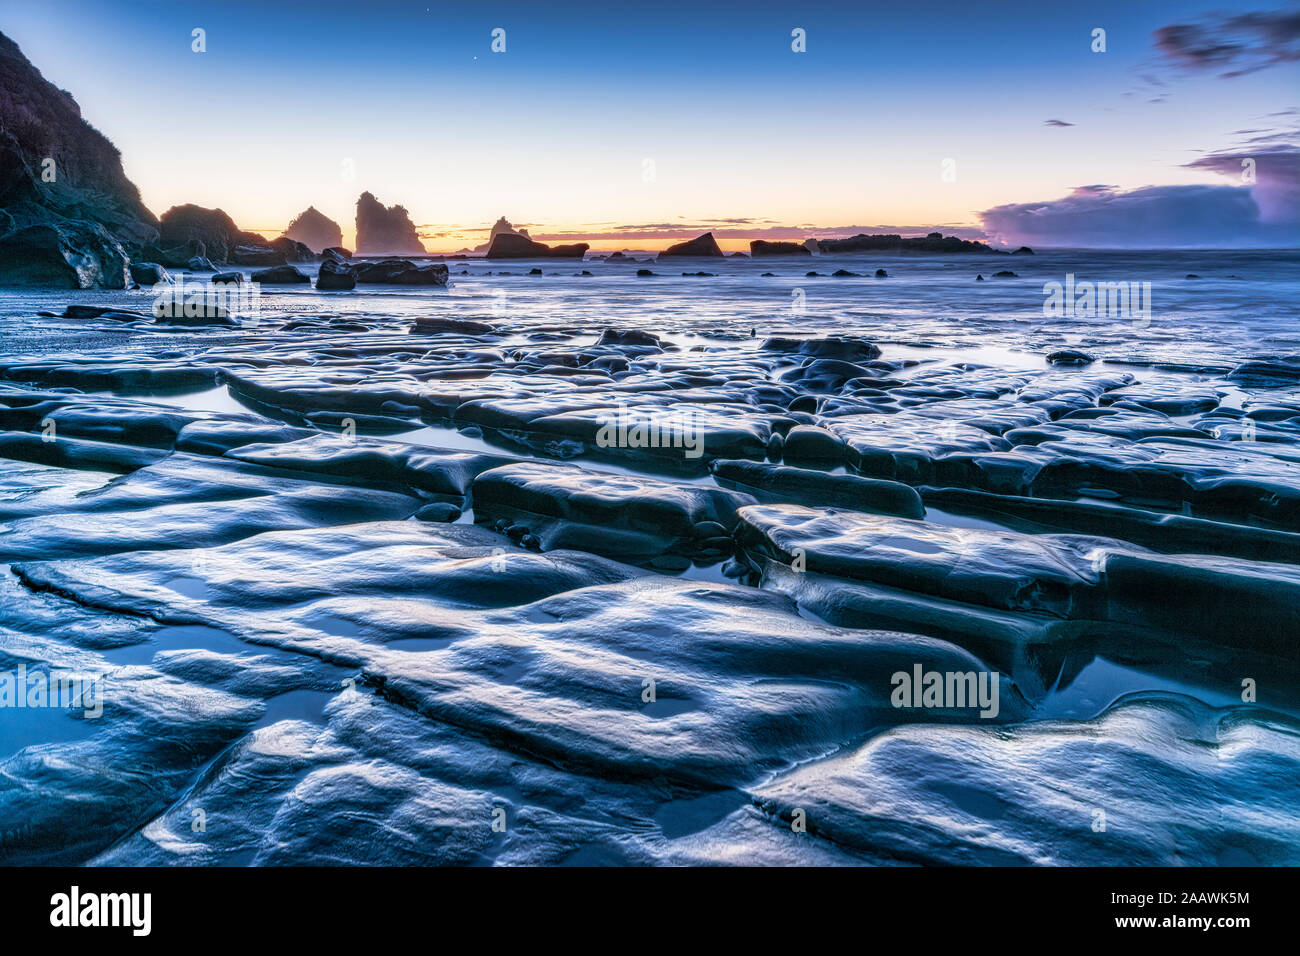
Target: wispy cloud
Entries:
(1235, 44)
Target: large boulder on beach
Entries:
(335, 275)
(400, 272)
(699, 247)
(64, 255)
(281, 275)
(148, 273)
(314, 229)
(385, 230)
(508, 245)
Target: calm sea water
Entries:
(1245, 303)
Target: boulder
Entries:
(430, 323)
(1071, 357)
(66, 255)
(148, 273)
(400, 272)
(335, 275)
(699, 247)
(281, 275)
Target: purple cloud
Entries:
(1236, 44)
(1153, 217)
(1272, 172)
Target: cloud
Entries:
(1152, 217)
(1273, 173)
(1056, 122)
(1234, 44)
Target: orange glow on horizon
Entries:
(458, 242)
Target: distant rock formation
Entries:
(500, 227)
(700, 246)
(69, 217)
(512, 245)
(384, 230)
(190, 230)
(761, 247)
(934, 242)
(315, 230)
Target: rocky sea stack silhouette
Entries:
(385, 230)
(315, 230)
(517, 245)
(700, 246)
(934, 242)
(764, 247)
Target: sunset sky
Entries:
(633, 125)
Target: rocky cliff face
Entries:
(191, 230)
(69, 216)
(385, 230)
(316, 230)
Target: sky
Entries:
(636, 125)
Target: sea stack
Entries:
(704, 246)
(384, 230)
(189, 230)
(512, 245)
(315, 230)
(762, 247)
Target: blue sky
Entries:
(669, 116)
